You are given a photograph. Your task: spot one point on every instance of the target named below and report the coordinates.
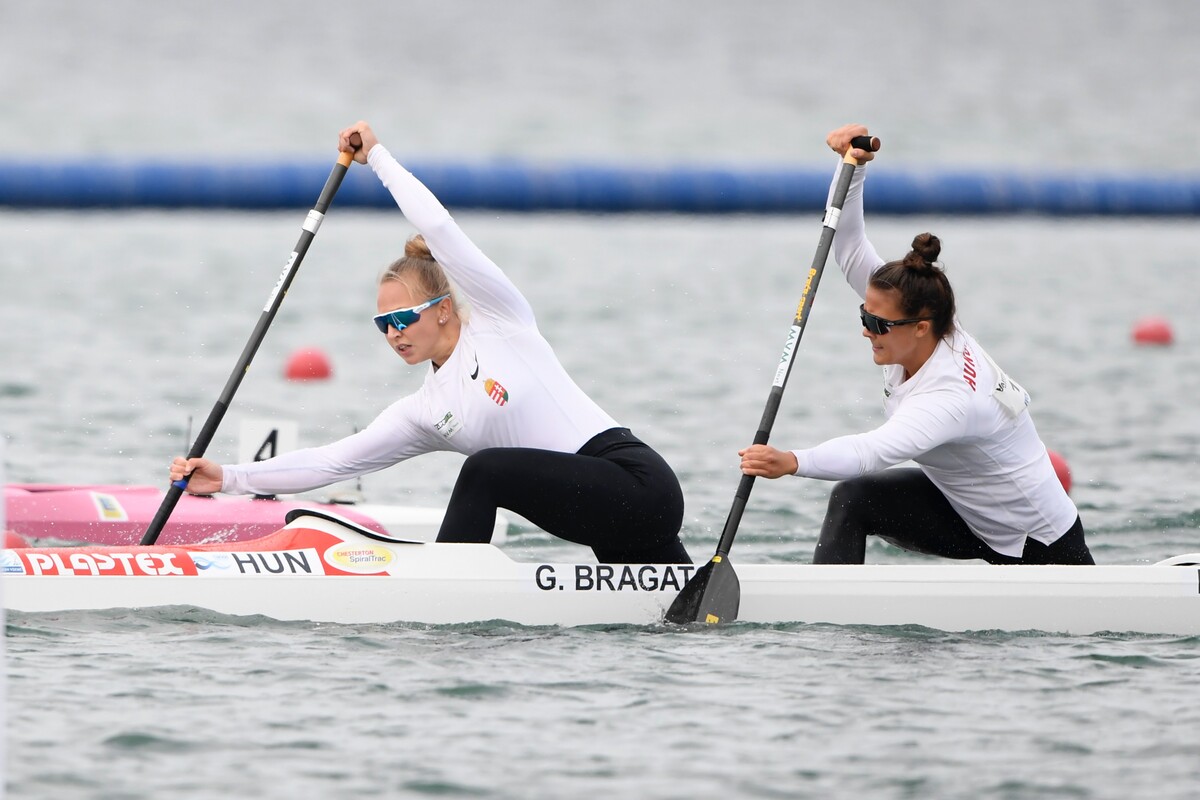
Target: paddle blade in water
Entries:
(712, 595)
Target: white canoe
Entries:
(321, 568)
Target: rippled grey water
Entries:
(116, 328)
(184, 703)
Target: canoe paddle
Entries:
(714, 593)
(309, 230)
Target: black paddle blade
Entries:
(712, 595)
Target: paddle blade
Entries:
(712, 595)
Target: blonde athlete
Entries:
(536, 444)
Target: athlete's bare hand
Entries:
(357, 139)
(205, 475)
(839, 141)
(764, 461)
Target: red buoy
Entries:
(1153, 330)
(1061, 469)
(308, 364)
(13, 539)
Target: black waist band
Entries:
(611, 439)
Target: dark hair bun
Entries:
(925, 250)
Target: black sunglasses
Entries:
(879, 326)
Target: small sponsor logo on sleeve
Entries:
(448, 425)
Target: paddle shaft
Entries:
(832, 213)
(309, 230)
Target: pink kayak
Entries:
(106, 514)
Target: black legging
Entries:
(905, 508)
(616, 495)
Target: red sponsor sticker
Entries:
(83, 562)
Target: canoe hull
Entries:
(321, 570)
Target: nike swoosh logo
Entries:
(475, 374)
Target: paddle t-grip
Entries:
(870, 143)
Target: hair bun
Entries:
(416, 247)
(925, 249)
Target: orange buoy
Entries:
(13, 539)
(1153, 330)
(308, 364)
(1061, 469)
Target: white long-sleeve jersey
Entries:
(960, 418)
(501, 387)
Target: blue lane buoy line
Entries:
(106, 183)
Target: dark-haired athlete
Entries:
(985, 487)
(535, 443)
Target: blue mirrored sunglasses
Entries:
(401, 318)
(879, 326)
